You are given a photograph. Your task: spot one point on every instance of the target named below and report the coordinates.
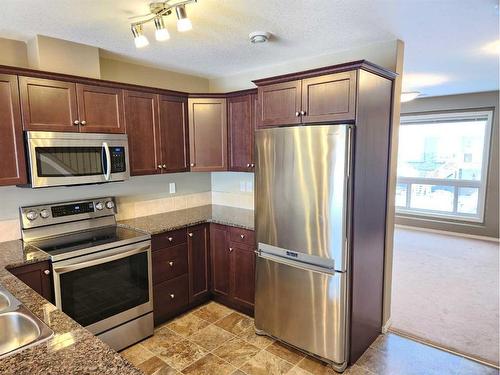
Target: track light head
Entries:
(161, 32)
(140, 39)
(183, 22)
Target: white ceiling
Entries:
(444, 39)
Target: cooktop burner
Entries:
(85, 242)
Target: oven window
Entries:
(95, 293)
(69, 161)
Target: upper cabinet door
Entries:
(279, 104)
(100, 109)
(12, 162)
(174, 142)
(329, 98)
(143, 132)
(207, 134)
(240, 126)
(48, 105)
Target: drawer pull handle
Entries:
(172, 296)
(171, 263)
(190, 234)
(170, 239)
(230, 249)
(47, 272)
(242, 236)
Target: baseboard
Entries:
(456, 234)
(386, 326)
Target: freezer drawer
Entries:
(302, 307)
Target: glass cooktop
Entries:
(84, 242)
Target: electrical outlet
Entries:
(171, 187)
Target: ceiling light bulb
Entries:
(409, 96)
(140, 39)
(183, 22)
(161, 32)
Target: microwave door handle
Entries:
(94, 262)
(107, 173)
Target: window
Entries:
(443, 164)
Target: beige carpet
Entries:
(446, 291)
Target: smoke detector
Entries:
(259, 36)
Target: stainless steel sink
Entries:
(19, 328)
(4, 302)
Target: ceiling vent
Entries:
(259, 36)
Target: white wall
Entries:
(233, 189)
(383, 54)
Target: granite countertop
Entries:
(72, 349)
(154, 224)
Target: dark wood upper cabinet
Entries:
(141, 114)
(198, 261)
(241, 132)
(12, 160)
(100, 109)
(220, 259)
(279, 104)
(243, 275)
(207, 134)
(330, 97)
(37, 276)
(174, 141)
(48, 105)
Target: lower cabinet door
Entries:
(37, 276)
(220, 257)
(243, 275)
(198, 261)
(169, 297)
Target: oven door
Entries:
(57, 159)
(105, 289)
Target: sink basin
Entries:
(21, 329)
(4, 302)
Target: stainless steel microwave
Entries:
(58, 159)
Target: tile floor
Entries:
(214, 339)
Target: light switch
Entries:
(242, 186)
(171, 187)
(249, 186)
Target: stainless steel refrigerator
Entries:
(302, 209)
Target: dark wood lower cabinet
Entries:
(38, 276)
(198, 260)
(243, 275)
(220, 259)
(170, 298)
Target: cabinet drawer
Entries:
(242, 236)
(170, 296)
(169, 263)
(168, 239)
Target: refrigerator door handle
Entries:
(296, 264)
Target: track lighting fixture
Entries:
(140, 39)
(156, 13)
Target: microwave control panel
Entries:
(117, 159)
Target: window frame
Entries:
(457, 115)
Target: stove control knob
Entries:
(110, 204)
(99, 206)
(44, 214)
(31, 215)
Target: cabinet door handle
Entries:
(171, 263)
(172, 296)
(248, 165)
(252, 165)
(164, 166)
(76, 122)
(47, 272)
(297, 114)
(190, 234)
(83, 123)
(303, 113)
(242, 236)
(170, 239)
(192, 164)
(230, 249)
(159, 166)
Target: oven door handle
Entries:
(94, 262)
(107, 173)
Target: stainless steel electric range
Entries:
(102, 272)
